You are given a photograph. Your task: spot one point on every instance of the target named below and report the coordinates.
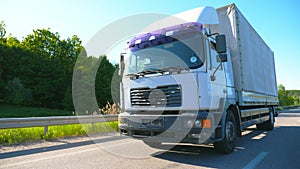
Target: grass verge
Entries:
(19, 135)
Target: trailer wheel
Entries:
(228, 143)
(268, 125)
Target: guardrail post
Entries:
(45, 130)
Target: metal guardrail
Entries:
(7, 123)
(280, 108)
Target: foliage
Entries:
(41, 68)
(92, 79)
(13, 111)
(295, 94)
(2, 29)
(64, 131)
(13, 136)
(67, 102)
(16, 92)
(284, 98)
(103, 81)
(110, 109)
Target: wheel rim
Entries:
(230, 131)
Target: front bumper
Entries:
(197, 128)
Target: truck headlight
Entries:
(198, 123)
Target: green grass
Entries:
(13, 111)
(14, 136)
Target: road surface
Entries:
(256, 149)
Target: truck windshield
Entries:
(187, 53)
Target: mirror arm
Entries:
(121, 66)
(213, 77)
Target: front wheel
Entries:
(228, 143)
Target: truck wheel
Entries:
(228, 143)
(268, 125)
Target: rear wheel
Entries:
(268, 125)
(228, 143)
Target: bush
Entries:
(67, 102)
(16, 93)
(110, 109)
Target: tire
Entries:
(268, 125)
(228, 143)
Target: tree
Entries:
(2, 29)
(83, 88)
(48, 71)
(104, 81)
(40, 67)
(284, 98)
(17, 93)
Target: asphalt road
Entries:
(256, 149)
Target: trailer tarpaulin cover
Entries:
(253, 61)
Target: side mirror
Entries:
(222, 57)
(221, 43)
(121, 69)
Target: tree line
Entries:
(38, 70)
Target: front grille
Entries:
(162, 96)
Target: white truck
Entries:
(202, 81)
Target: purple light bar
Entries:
(142, 41)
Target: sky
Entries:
(276, 21)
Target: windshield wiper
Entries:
(146, 72)
(171, 69)
(176, 69)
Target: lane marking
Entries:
(252, 164)
(118, 144)
(67, 154)
(46, 158)
(258, 137)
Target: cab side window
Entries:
(214, 56)
(208, 54)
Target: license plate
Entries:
(151, 122)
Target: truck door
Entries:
(216, 80)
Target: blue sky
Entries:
(275, 20)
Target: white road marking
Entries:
(258, 137)
(46, 158)
(65, 154)
(252, 164)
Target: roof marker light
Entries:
(138, 41)
(152, 38)
(169, 33)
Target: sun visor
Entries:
(203, 15)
